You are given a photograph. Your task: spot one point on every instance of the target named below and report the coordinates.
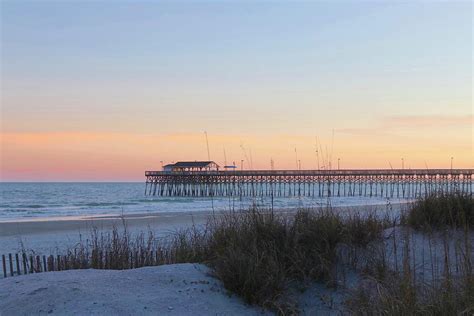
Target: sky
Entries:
(104, 90)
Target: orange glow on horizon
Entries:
(73, 156)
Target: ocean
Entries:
(21, 201)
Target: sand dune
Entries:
(180, 289)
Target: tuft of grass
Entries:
(361, 230)
(434, 277)
(443, 210)
(314, 239)
(247, 255)
(257, 254)
(119, 249)
(400, 295)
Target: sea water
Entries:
(19, 201)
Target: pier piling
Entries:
(388, 183)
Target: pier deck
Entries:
(405, 183)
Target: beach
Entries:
(192, 288)
(236, 158)
(56, 234)
(183, 289)
(49, 218)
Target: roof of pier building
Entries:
(181, 165)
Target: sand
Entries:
(186, 289)
(167, 221)
(179, 289)
(51, 235)
(56, 234)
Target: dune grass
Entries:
(404, 290)
(257, 254)
(439, 283)
(444, 210)
(260, 254)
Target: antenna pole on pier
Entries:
(296, 154)
(225, 158)
(207, 143)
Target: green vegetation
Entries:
(439, 283)
(257, 254)
(455, 210)
(261, 255)
(400, 296)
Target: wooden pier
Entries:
(389, 183)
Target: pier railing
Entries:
(343, 172)
(406, 183)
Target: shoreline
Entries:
(52, 235)
(114, 213)
(160, 220)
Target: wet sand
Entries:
(157, 220)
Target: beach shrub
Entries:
(442, 210)
(247, 254)
(360, 230)
(258, 253)
(314, 237)
(400, 295)
(417, 273)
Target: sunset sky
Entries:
(103, 90)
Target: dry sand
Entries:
(180, 289)
(56, 234)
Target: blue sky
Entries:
(237, 67)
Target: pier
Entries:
(389, 183)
